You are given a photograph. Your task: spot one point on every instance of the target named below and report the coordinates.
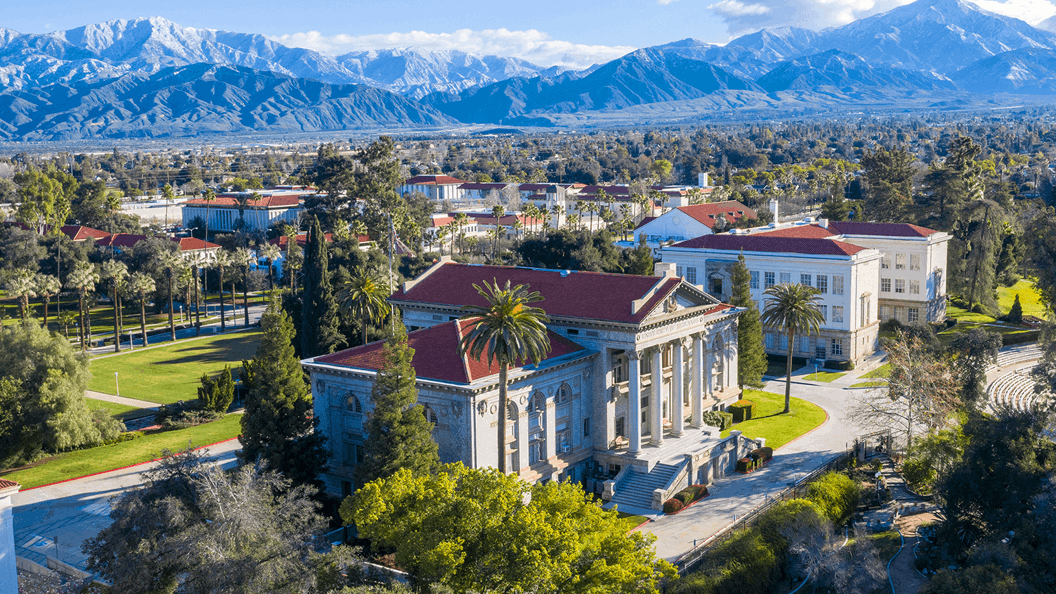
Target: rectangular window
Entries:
(618, 374)
(885, 262)
(900, 261)
(837, 347)
(755, 279)
(824, 309)
(678, 270)
(770, 280)
(885, 285)
(804, 344)
(914, 262)
(691, 275)
(784, 342)
(819, 350)
(837, 313)
(786, 278)
(804, 279)
(900, 314)
(900, 285)
(914, 314)
(770, 340)
(837, 284)
(586, 427)
(885, 312)
(914, 287)
(822, 284)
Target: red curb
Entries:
(638, 526)
(119, 468)
(691, 504)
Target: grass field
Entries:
(884, 371)
(103, 458)
(1029, 299)
(631, 521)
(777, 427)
(824, 376)
(870, 384)
(119, 411)
(168, 373)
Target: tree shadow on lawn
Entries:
(228, 350)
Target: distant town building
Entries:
(435, 187)
(686, 222)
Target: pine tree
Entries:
(751, 358)
(399, 436)
(1015, 315)
(319, 322)
(278, 425)
(217, 394)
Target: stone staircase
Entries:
(636, 488)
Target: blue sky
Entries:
(573, 32)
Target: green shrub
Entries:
(715, 418)
(217, 394)
(918, 472)
(673, 506)
(742, 410)
(839, 365)
(979, 578)
(762, 455)
(746, 564)
(836, 496)
(691, 493)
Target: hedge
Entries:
(673, 506)
(839, 365)
(836, 495)
(715, 418)
(742, 410)
(752, 561)
(762, 455)
(745, 464)
(691, 493)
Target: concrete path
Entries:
(120, 400)
(735, 495)
(53, 521)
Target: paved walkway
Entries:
(735, 495)
(120, 400)
(53, 521)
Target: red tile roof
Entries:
(302, 240)
(121, 240)
(230, 201)
(486, 219)
(193, 243)
(767, 243)
(434, 180)
(81, 233)
(801, 231)
(880, 229)
(709, 213)
(575, 294)
(437, 356)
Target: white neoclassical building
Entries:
(617, 404)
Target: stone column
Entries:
(634, 402)
(678, 391)
(549, 431)
(656, 399)
(696, 393)
(8, 570)
(709, 366)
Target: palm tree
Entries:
(498, 211)
(47, 287)
(511, 331)
(363, 297)
(794, 309)
(83, 279)
(116, 272)
(209, 196)
(557, 210)
(461, 219)
(196, 261)
(22, 287)
(172, 263)
(270, 252)
(244, 258)
(141, 284)
(113, 206)
(222, 263)
(169, 196)
(441, 233)
(66, 318)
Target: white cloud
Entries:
(733, 8)
(743, 17)
(532, 45)
(1032, 11)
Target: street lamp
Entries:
(117, 385)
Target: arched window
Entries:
(430, 414)
(564, 394)
(538, 403)
(511, 412)
(353, 404)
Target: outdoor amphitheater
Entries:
(1014, 388)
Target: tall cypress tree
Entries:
(751, 358)
(399, 435)
(278, 424)
(319, 323)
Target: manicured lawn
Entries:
(171, 372)
(1029, 299)
(777, 427)
(963, 316)
(120, 411)
(631, 521)
(884, 371)
(870, 384)
(824, 376)
(103, 458)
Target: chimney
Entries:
(773, 208)
(702, 179)
(666, 269)
(823, 223)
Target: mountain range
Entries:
(152, 77)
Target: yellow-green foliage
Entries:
(471, 530)
(836, 495)
(753, 560)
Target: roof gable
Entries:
(766, 243)
(707, 214)
(437, 355)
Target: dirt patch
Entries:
(903, 574)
